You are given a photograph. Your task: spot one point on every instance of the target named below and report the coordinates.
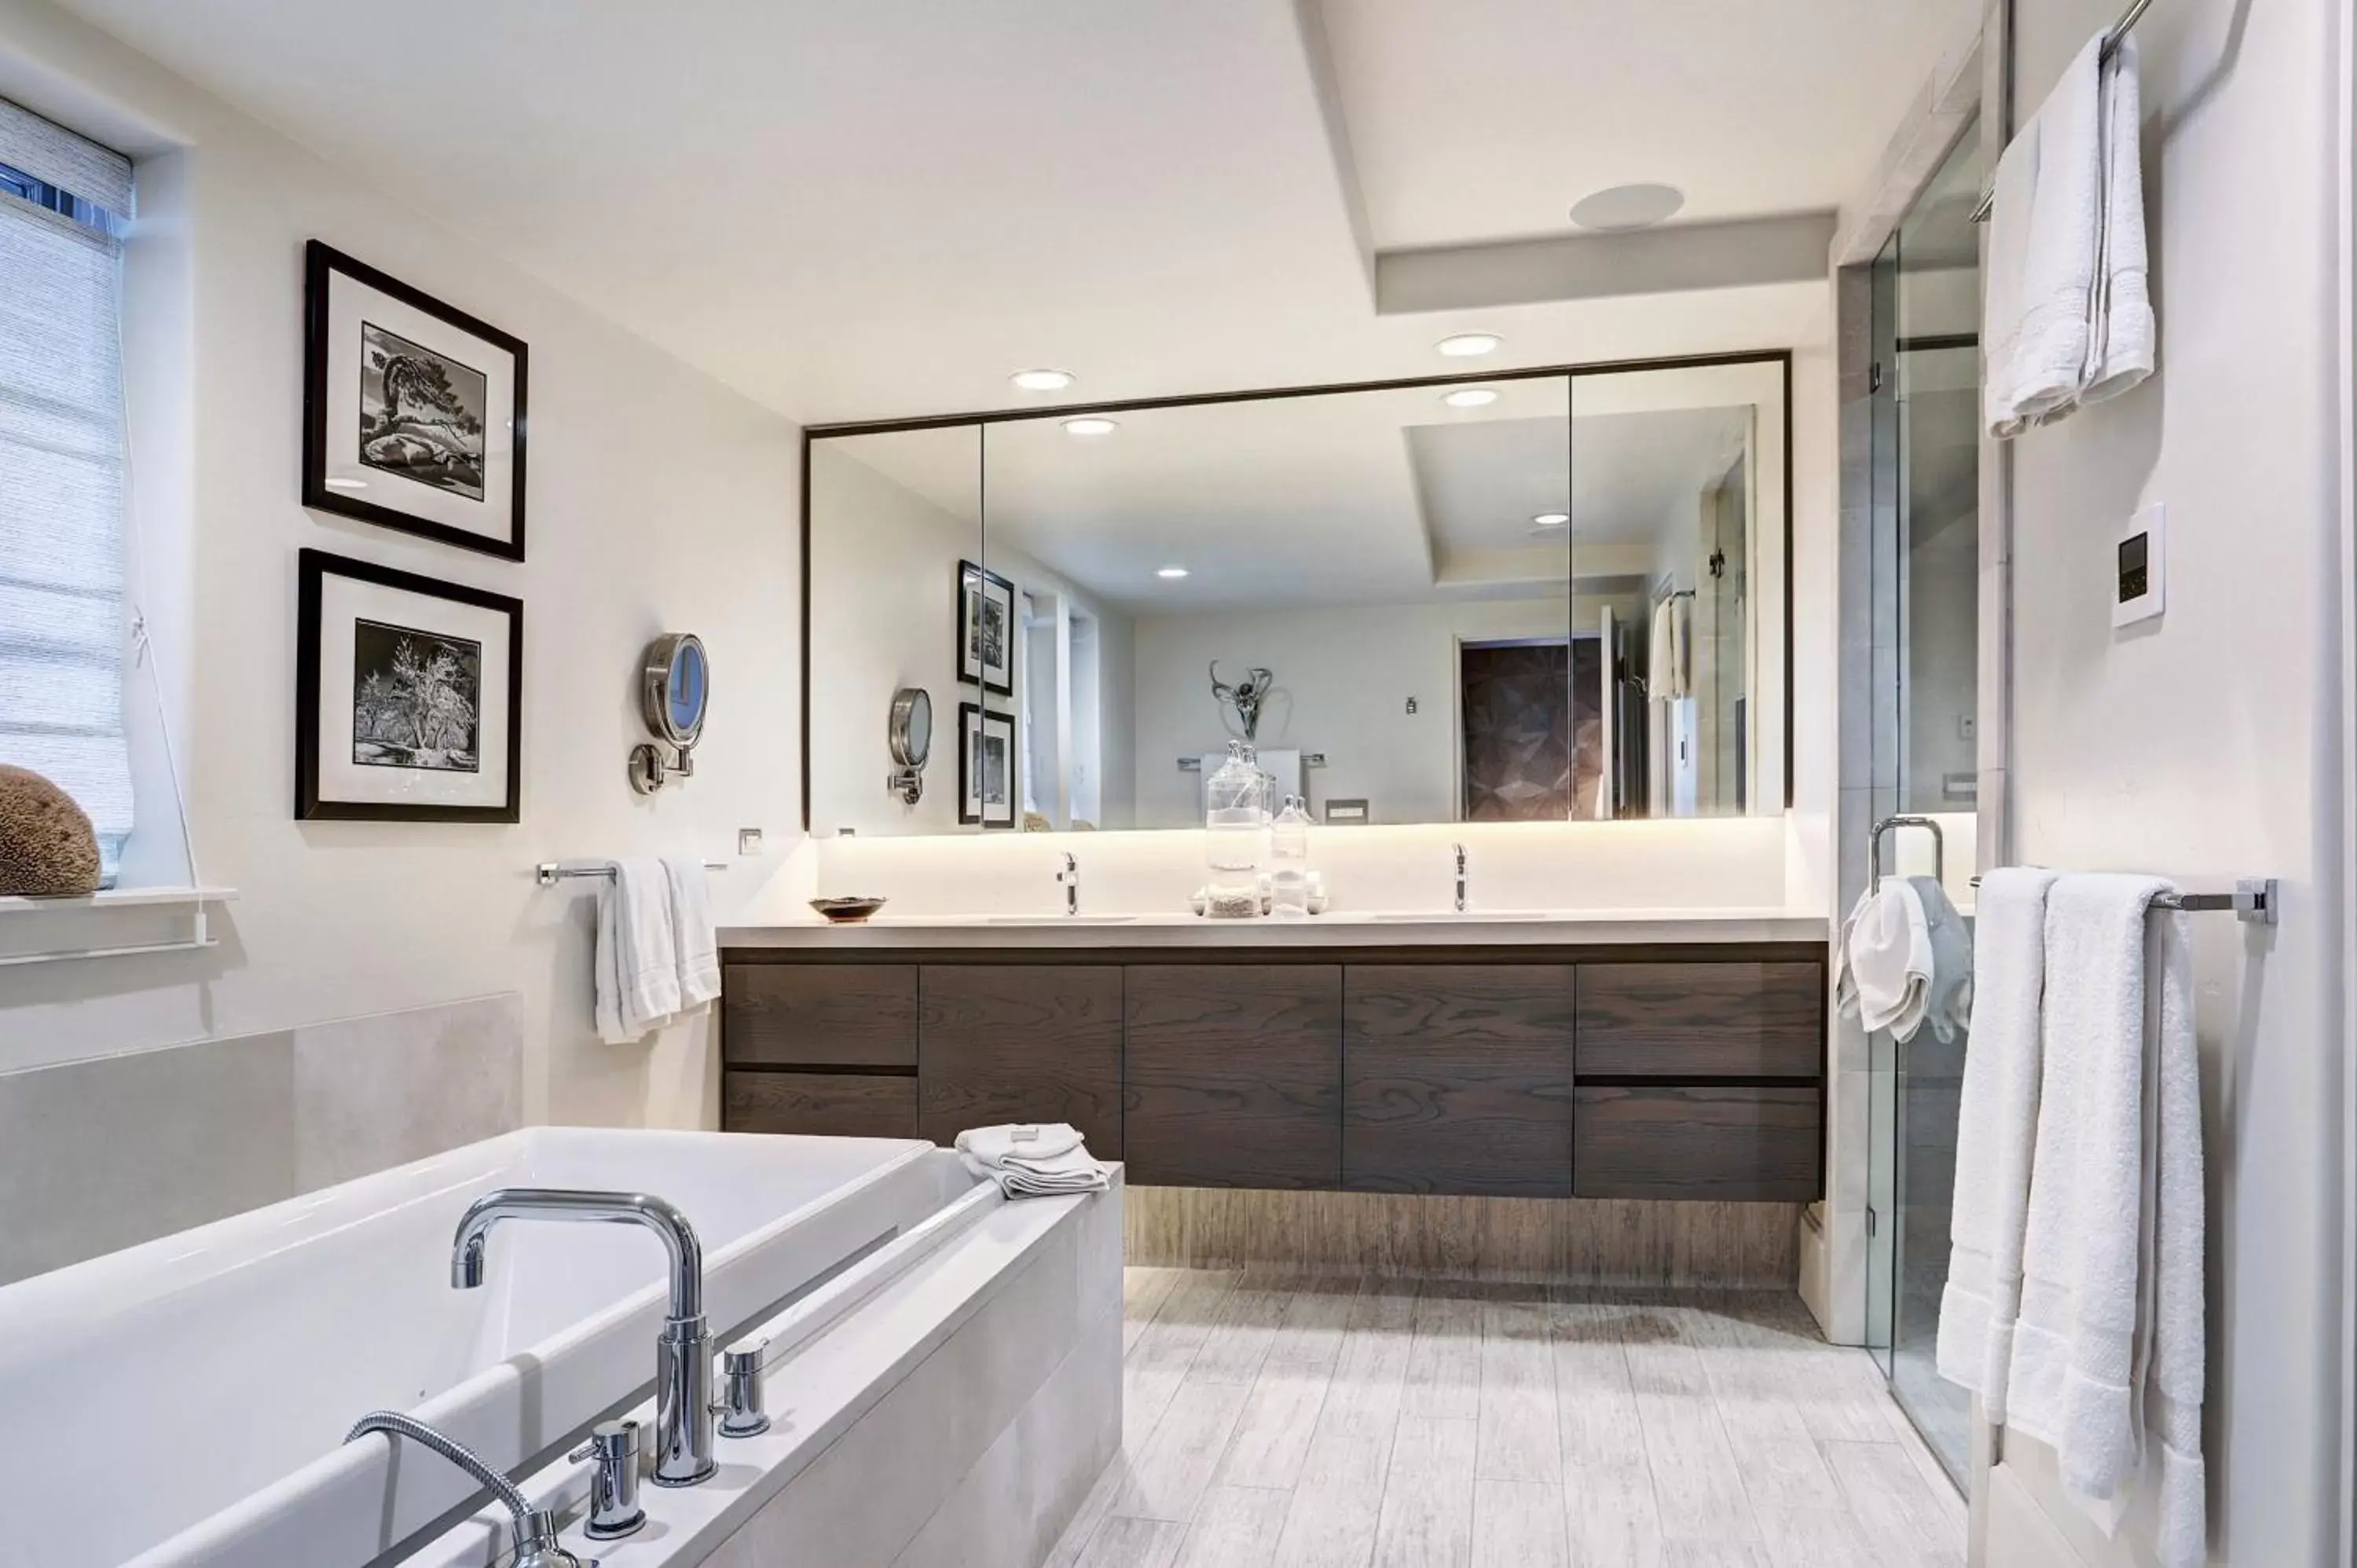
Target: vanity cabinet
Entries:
(1458, 1078)
(1686, 1072)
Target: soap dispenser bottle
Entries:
(1288, 858)
(1235, 825)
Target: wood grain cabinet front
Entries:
(1020, 1043)
(819, 1014)
(1234, 1075)
(833, 1104)
(1726, 1143)
(1458, 1078)
(1715, 1019)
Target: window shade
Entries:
(55, 156)
(61, 492)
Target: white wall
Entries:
(659, 500)
(1343, 680)
(2210, 745)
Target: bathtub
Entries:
(183, 1403)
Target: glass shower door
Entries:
(1926, 445)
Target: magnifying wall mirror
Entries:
(674, 688)
(910, 734)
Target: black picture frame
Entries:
(974, 723)
(321, 264)
(979, 585)
(310, 803)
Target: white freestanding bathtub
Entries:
(183, 1403)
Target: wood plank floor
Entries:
(1275, 1421)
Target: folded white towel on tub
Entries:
(1032, 1159)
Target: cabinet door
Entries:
(1020, 1043)
(836, 1104)
(1457, 1079)
(823, 1015)
(1234, 1075)
(1707, 1020)
(1722, 1143)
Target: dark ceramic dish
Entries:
(847, 912)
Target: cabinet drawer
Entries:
(836, 1104)
(1721, 1143)
(1457, 1079)
(1234, 1075)
(1702, 1020)
(1020, 1043)
(825, 1014)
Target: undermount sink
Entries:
(1058, 919)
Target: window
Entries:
(62, 468)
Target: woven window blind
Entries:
(62, 494)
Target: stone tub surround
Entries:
(1732, 863)
(111, 1152)
(956, 1418)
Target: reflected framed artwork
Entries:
(412, 409)
(408, 697)
(985, 632)
(986, 767)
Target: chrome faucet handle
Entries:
(614, 1509)
(739, 1409)
(1069, 880)
(536, 1545)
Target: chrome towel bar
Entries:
(2254, 901)
(549, 872)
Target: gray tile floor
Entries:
(1287, 1423)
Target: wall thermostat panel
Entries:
(2139, 567)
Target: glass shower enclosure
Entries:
(1924, 401)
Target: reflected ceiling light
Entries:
(1466, 345)
(1552, 519)
(1042, 379)
(1172, 572)
(1090, 426)
(1470, 397)
(1627, 206)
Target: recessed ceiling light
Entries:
(1466, 345)
(348, 484)
(1552, 519)
(1173, 572)
(1627, 206)
(1042, 379)
(1091, 426)
(1470, 397)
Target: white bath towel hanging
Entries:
(691, 930)
(1996, 1127)
(1883, 968)
(2121, 327)
(2107, 1357)
(637, 952)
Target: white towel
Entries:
(1949, 1006)
(637, 952)
(1997, 1125)
(1883, 972)
(1032, 1159)
(691, 918)
(2121, 330)
(2068, 315)
(2111, 1301)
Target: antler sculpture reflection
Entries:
(1245, 696)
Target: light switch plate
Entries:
(749, 841)
(2140, 567)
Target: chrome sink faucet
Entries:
(1460, 876)
(1069, 880)
(683, 1354)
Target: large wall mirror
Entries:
(1540, 596)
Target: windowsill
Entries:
(114, 922)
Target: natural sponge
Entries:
(47, 847)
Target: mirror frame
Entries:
(813, 433)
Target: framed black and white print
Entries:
(985, 632)
(413, 411)
(986, 767)
(408, 697)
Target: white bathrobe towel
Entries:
(691, 918)
(2111, 1331)
(637, 952)
(1045, 1159)
(1996, 1126)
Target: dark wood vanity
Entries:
(1691, 1071)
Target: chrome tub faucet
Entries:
(1069, 880)
(683, 1353)
(535, 1531)
(1460, 876)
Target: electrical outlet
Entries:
(1967, 726)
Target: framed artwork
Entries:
(413, 411)
(986, 767)
(985, 630)
(408, 697)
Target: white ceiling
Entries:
(882, 208)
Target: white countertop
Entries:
(1515, 929)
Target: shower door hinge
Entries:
(1870, 1228)
(1874, 377)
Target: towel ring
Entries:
(1888, 824)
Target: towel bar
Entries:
(549, 872)
(1888, 824)
(2254, 900)
(2118, 30)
